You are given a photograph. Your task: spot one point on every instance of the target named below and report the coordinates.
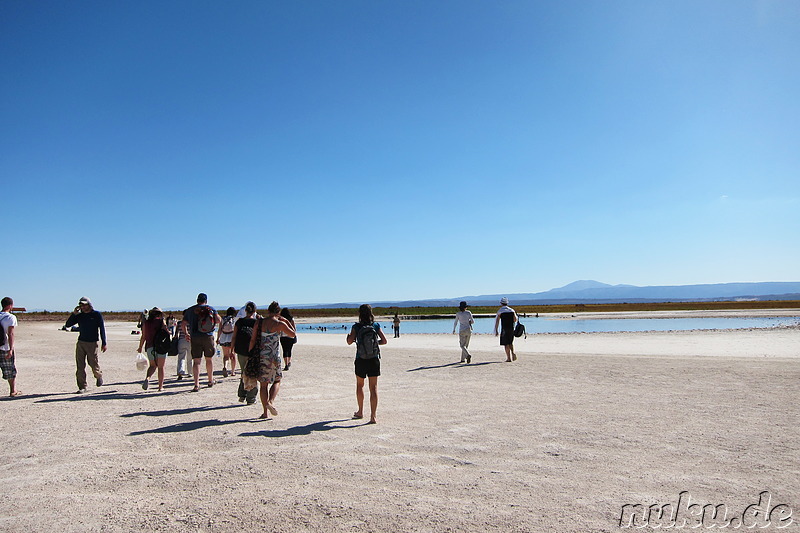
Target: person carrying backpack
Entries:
(224, 337)
(240, 343)
(368, 336)
(156, 341)
(198, 325)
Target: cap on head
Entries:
(155, 312)
(85, 300)
(503, 301)
(462, 305)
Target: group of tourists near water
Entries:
(253, 341)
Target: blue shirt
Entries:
(190, 316)
(90, 325)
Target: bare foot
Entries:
(15, 394)
(272, 409)
(373, 421)
(358, 415)
(264, 416)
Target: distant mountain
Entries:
(590, 291)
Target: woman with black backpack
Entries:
(240, 343)
(155, 339)
(368, 336)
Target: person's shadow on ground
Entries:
(296, 431)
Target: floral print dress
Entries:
(266, 367)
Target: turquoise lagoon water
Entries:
(570, 325)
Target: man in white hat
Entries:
(92, 331)
(507, 317)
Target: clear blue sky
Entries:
(319, 152)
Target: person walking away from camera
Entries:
(152, 328)
(240, 342)
(506, 317)
(199, 323)
(92, 330)
(171, 324)
(224, 336)
(267, 371)
(368, 336)
(396, 326)
(287, 343)
(7, 356)
(184, 351)
(464, 320)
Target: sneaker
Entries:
(99, 381)
(180, 377)
(80, 391)
(224, 372)
(251, 402)
(241, 399)
(469, 359)
(145, 384)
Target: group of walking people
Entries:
(254, 342)
(246, 338)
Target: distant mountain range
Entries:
(589, 291)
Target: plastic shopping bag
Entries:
(141, 361)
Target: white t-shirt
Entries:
(464, 319)
(7, 320)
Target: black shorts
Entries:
(507, 337)
(202, 345)
(368, 367)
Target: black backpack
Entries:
(367, 342)
(244, 332)
(173, 346)
(519, 331)
(162, 341)
(3, 336)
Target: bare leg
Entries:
(508, 352)
(210, 370)
(232, 357)
(373, 399)
(161, 361)
(359, 397)
(273, 392)
(196, 372)
(264, 394)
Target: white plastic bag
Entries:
(141, 361)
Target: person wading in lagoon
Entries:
(7, 357)
(507, 317)
(266, 368)
(396, 326)
(368, 336)
(92, 330)
(464, 320)
(198, 325)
